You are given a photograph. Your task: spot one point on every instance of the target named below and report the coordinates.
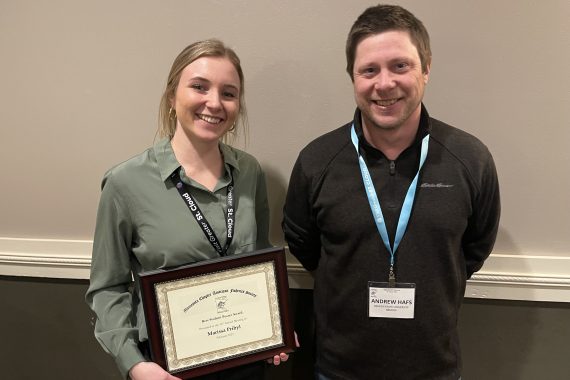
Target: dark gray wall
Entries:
(46, 333)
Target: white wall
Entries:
(81, 82)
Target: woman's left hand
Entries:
(282, 357)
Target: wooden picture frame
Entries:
(218, 314)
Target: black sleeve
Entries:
(299, 226)
(483, 225)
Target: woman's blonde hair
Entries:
(206, 48)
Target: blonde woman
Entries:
(144, 224)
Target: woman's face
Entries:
(207, 99)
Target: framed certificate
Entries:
(218, 314)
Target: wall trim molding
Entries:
(505, 276)
(50, 258)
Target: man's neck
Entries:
(392, 141)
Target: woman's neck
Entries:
(202, 161)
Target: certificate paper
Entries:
(219, 318)
(228, 309)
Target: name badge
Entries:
(396, 301)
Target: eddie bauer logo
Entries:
(435, 185)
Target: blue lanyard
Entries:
(375, 202)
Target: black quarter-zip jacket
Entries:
(329, 227)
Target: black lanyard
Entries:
(201, 218)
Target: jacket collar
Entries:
(423, 130)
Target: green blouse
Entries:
(144, 224)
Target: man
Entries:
(393, 212)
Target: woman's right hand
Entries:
(149, 371)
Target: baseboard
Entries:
(504, 276)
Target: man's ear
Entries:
(426, 73)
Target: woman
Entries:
(143, 222)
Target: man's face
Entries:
(388, 80)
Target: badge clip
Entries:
(391, 278)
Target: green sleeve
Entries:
(109, 294)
